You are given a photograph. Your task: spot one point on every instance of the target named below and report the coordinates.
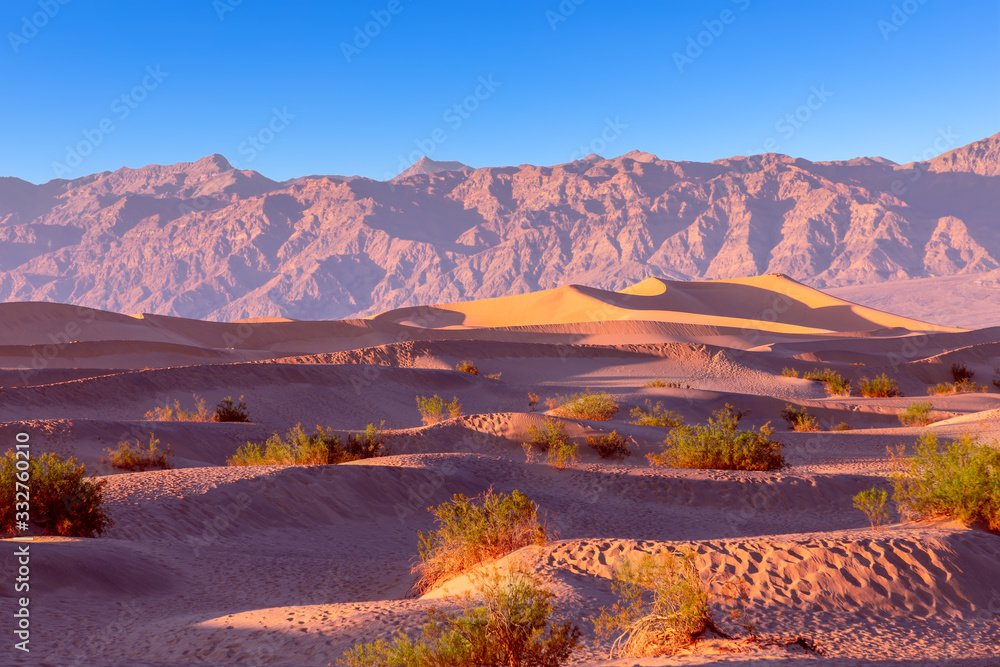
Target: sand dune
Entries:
(209, 564)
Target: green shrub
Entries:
(720, 445)
(872, 503)
(789, 373)
(227, 411)
(435, 409)
(200, 413)
(467, 367)
(323, 447)
(551, 433)
(798, 419)
(961, 373)
(881, 386)
(917, 414)
(960, 387)
(509, 627)
(835, 384)
(135, 458)
(670, 384)
(610, 446)
(842, 426)
(61, 499)
(551, 440)
(961, 482)
(662, 606)
(474, 530)
(655, 415)
(596, 405)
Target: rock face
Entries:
(206, 240)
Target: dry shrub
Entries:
(435, 409)
(610, 446)
(510, 626)
(136, 458)
(655, 415)
(662, 605)
(475, 530)
(798, 419)
(200, 413)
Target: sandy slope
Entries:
(209, 564)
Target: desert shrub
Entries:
(610, 446)
(655, 415)
(228, 411)
(721, 445)
(881, 386)
(835, 384)
(548, 434)
(670, 384)
(61, 499)
(842, 426)
(960, 481)
(596, 405)
(200, 413)
(961, 373)
(532, 401)
(467, 367)
(494, 376)
(137, 458)
(917, 413)
(662, 605)
(961, 387)
(996, 377)
(322, 447)
(550, 439)
(510, 626)
(798, 419)
(474, 530)
(789, 373)
(872, 503)
(435, 409)
(558, 456)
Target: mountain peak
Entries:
(425, 165)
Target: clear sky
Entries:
(298, 88)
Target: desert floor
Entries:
(209, 564)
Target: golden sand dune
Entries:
(212, 564)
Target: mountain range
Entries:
(205, 240)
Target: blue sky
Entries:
(299, 88)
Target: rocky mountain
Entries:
(206, 240)
(427, 166)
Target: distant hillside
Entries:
(205, 240)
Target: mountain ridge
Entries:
(203, 239)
